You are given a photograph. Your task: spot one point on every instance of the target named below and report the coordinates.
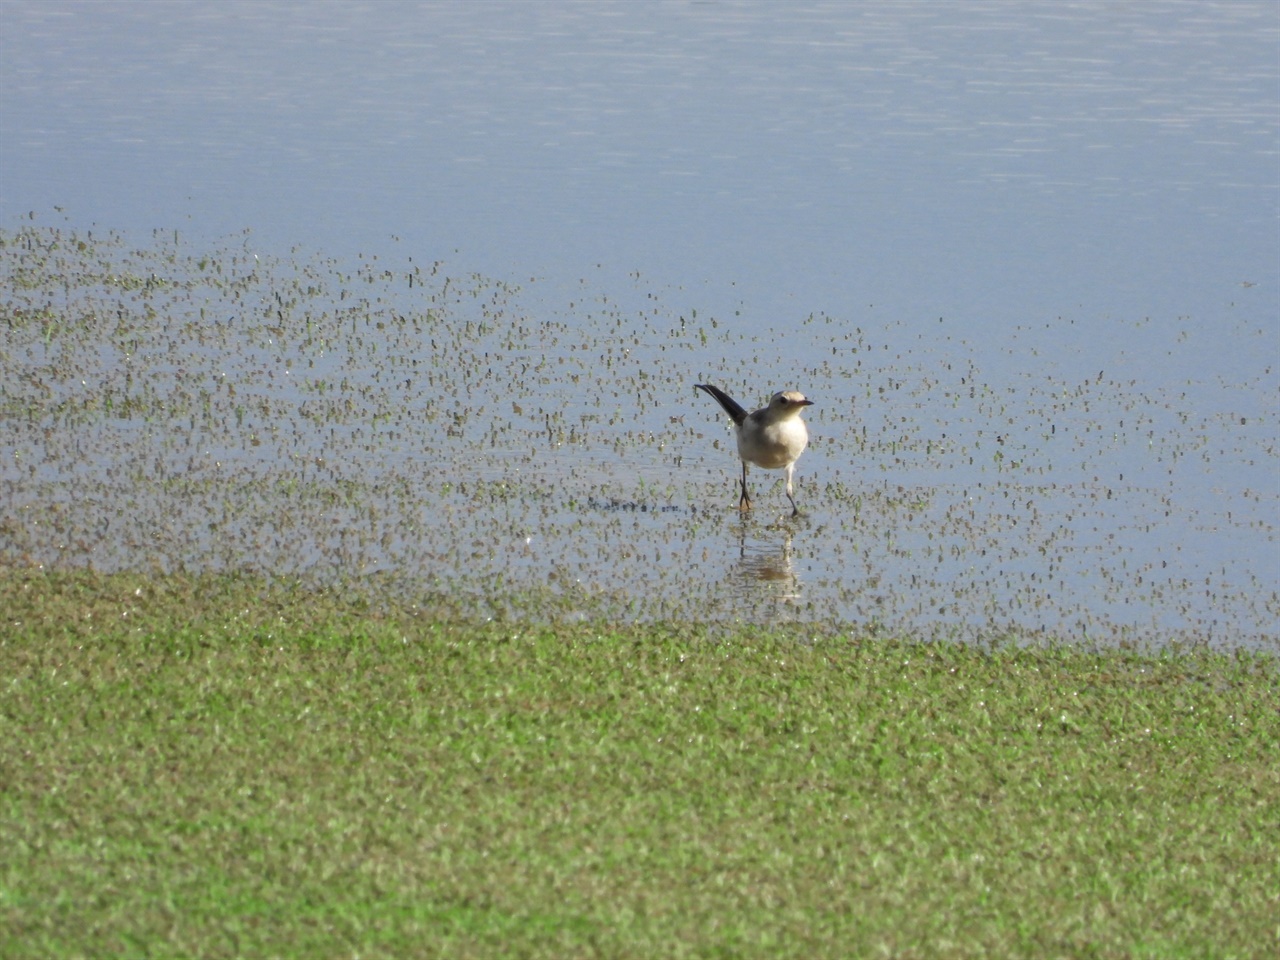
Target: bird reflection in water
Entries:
(766, 571)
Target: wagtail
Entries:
(773, 437)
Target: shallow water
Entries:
(414, 297)
(170, 408)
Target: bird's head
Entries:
(789, 402)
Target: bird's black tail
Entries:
(730, 405)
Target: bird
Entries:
(772, 437)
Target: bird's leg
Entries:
(744, 501)
(795, 511)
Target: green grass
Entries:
(218, 767)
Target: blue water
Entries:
(1040, 194)
(984, 161)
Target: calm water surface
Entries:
(1024, 255)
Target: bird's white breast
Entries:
(772, 445)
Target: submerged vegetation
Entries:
(394, 428)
